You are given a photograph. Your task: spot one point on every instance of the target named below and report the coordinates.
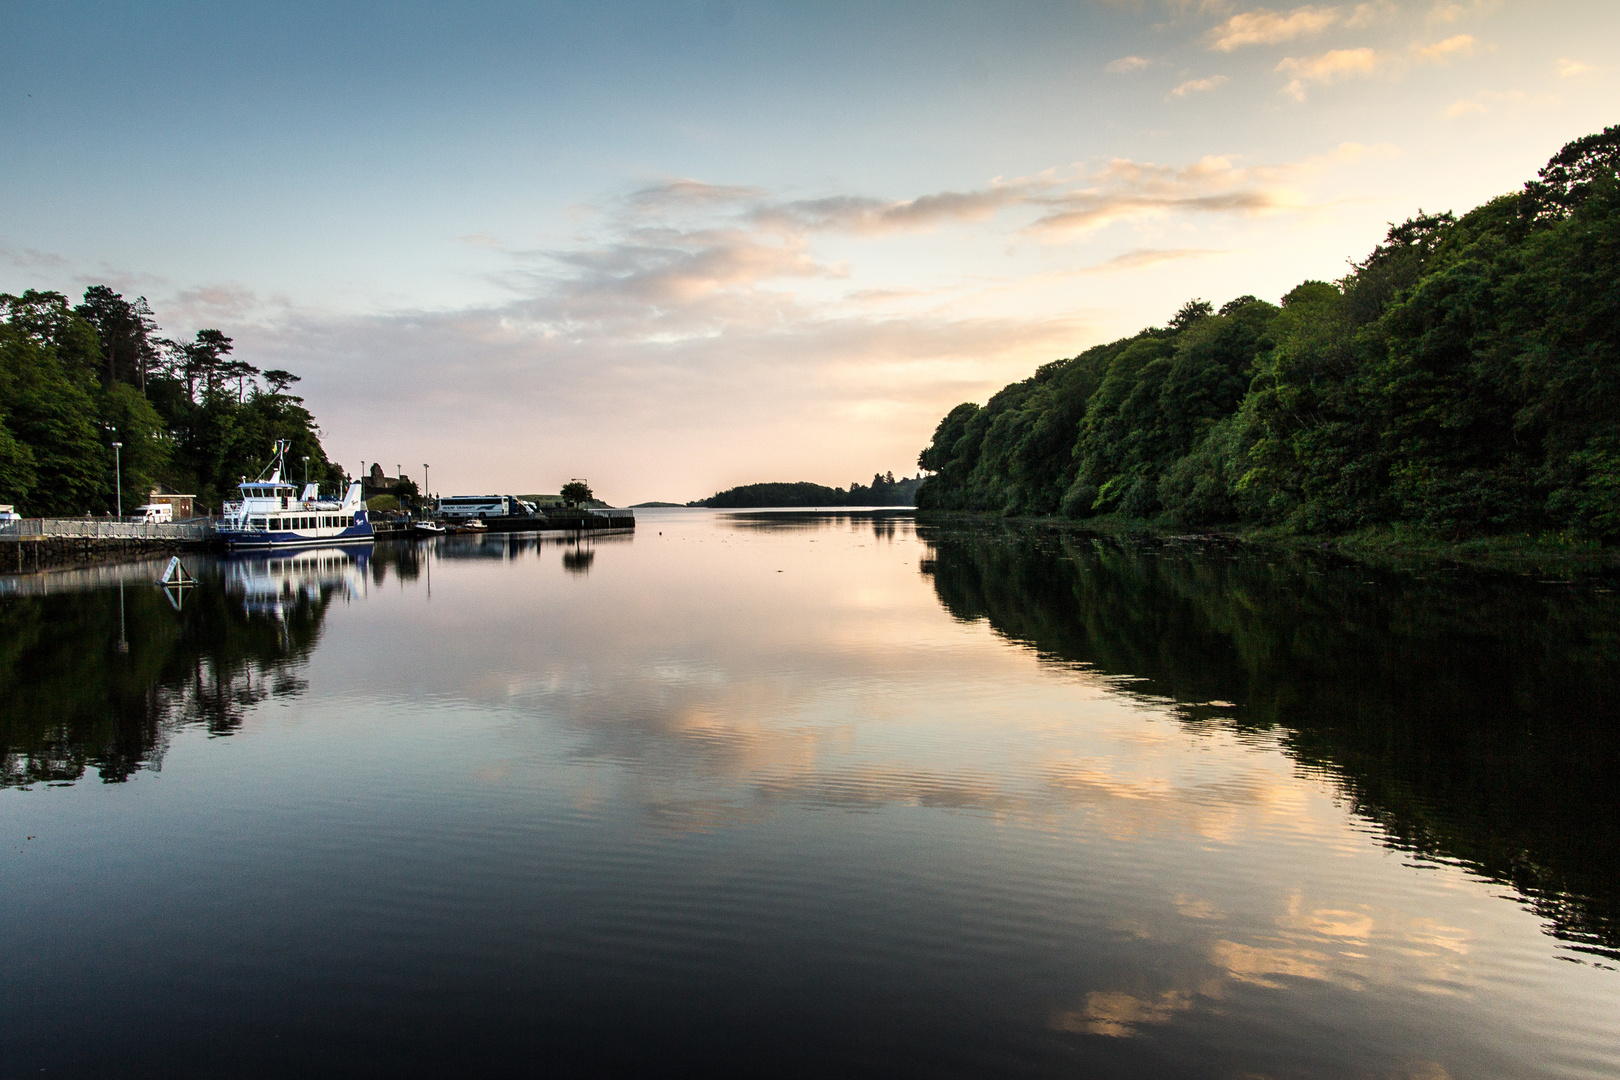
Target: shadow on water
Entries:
(102, 678)
(1472, 718)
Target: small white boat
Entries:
(425, 527)
(273, 513)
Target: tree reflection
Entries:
(1473, 718)
(72, 699)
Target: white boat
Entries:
(428, 527)
(274, 513)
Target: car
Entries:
(9, 513)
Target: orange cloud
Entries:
(1263, 27)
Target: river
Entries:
(809, 793)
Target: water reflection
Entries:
(97, 678)
(1471, 717)
(822, 794)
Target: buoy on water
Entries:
(175, 574)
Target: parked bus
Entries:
(467, 507)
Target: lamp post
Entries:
(424, 480)
(306, 470)
(118, 475)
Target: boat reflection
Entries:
(101, 669)
(276, 583)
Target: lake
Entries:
(808, 793)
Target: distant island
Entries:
(654, 505)
(884, 490)
(1462, 380)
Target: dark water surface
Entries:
(809, 794)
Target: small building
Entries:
(184, 506)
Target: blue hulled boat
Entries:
(274, 513)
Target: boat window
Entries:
(258, 523)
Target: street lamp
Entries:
(306, 470)
(118, 475)
(424, 479)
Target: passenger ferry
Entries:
(273, 513)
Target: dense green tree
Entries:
(576, 493)
(126, 330)
(51, 414)
(1463, 378)
(75, 379)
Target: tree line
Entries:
(1462, 379)
(884, 490)
(76, 378)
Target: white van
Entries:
(8, 513)
(153, 513)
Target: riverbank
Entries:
(1546, 555)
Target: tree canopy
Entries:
(1463, 378)
(74, 379)
(884, 490)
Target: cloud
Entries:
(678, 194)
(1198, 86)
(32, 259)
(860, 214)
(686, 306)
(1142, 258)
(1570, 68)
(1328, 67)
(1441, 52)
(1125, 65)
(1463, 108)
(1263, 27)
(1366, 15)
(213, 302)
(1127, 189)
(1447, 11)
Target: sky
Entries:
(674, 247)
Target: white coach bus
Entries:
(467, 507)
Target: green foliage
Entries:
(576, 493)
(59, 463)
(884, 490)
(1463, 379)
(75, 380)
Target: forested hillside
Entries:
(1464, 379)
(884, 490)
(76, 379)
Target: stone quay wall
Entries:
(20, 555)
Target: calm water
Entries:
(809, 794)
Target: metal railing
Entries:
(104, 529)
